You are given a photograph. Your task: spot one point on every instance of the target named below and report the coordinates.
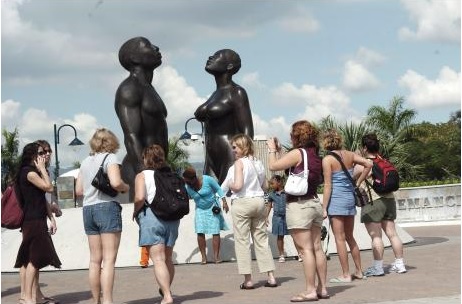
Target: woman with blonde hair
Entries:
(304, 212)
(102, 218)
(246, 180)
(339, 201)
(158, 235)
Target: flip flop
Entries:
(355, 277)
(324, 296)
(245, 287)
(268, 284)
(48, 300)
(340, 280)
(302, 298)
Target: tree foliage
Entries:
(10, 157)
(177, 157)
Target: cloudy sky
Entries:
(300, 59)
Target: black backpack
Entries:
(171, 201)
(385, 176)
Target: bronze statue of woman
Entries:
(225, 114)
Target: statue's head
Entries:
(223, 61)
(139, 51)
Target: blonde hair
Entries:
(332, 140)
(103, 140)
(244, 142)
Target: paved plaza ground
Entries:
(433, 276)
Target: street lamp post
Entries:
(74, 142)
(186, 135)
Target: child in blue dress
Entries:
(277, 201)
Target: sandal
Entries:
(245, 287)
(48, 300)
(303, 298)
(323, 296)
(340, 280)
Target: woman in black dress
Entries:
(37, 249)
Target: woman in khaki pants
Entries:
(246, 179)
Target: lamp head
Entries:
(185, 135)
(76, 142)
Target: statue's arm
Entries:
(243, 115)
(128, 109)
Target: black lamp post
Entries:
(186, 135)
(74, 142)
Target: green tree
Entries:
(351, 133)
(177, 157)
(10, 157)
(392, 124)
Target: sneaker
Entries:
(300, 258)
(374, 272)
(398, 268)
(282, 259)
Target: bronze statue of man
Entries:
(141, 111)
(225, 114)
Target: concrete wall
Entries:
(436, 203)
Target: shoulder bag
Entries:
(361, 196)
(101, 181)
(297, 184)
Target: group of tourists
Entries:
(301, 216)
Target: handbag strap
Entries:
(343, 167)
(305, 163)
(104, 159)
(255, 169)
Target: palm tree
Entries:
(392, 124)
(10, 157)
(177, 157)
(350, 132)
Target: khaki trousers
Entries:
(249, 220)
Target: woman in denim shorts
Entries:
(102, 217)
(304, 213)
(158, 235)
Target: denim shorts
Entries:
(154, 231)
(102, 218)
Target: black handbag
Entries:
(361, 196)
(216, 209)
(101, 181)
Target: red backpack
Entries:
(12, 213)
(385, 176)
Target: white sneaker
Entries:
(398, 268)
(374, 272)
(300, 258)
(282, 259)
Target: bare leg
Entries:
(110, 243)
(375, 232)
(22, 278)
(395, 241)
(303, 240)
(321, 261)
(216, 240)
(280, 244)
(202, 244)
(162, 271)
(354, 248)
(30, 275)
(338, 228)
(94, 271)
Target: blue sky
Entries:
(300, 60)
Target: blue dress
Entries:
(342, 200)
(279, 224)
(205, 221)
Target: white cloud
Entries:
(436, 20)
(252, 80)
(357, 78)
(425, 93)
(300, 21)
(369, 57)
(10, 112)
(318, 102)
(180, 98)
